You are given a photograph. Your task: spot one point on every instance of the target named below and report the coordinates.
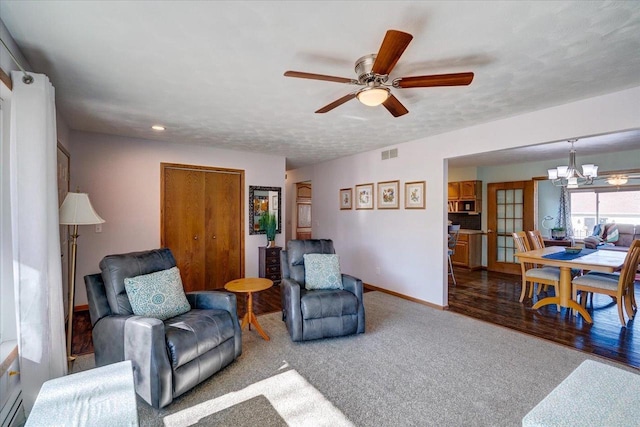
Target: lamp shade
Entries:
(77, 210)
(373, 96)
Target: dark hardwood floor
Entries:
(491, 297)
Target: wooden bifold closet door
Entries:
(202, 217)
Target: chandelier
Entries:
(569, 176)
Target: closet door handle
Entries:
(195, 237)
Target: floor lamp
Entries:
(75, 210)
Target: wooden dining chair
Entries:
(537, 242)
(531, 273)
(620, 286)
(536, 239)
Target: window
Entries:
(603, 205)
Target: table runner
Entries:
(565, 256)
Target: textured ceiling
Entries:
(212, 72)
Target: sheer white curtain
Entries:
(35, 234)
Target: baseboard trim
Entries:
(399, 295)
(84, 307)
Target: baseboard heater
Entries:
(12, 413)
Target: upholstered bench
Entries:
(594, 394)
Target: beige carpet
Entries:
(414, 366)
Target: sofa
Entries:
(612, 236)
(169, 355)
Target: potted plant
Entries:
(558, 233)
(269, 223)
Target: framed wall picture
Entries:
(364, 196)
(346, 195)
(414, 195)
(388, 197)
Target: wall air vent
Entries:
(390, 154)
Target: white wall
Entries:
(462, 174)
(408, 245)
(122, 178)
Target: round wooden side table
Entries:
(249, 285)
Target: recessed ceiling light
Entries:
(158, 127)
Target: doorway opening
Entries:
(304, 227)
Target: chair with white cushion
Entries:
(532, 274)
(620, 286)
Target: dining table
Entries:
(587, 259)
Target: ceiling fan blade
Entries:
(394, 106)
(312, 76)
(457, 79)
(393, 45)
(336, 103)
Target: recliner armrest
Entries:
(96, 297)
(222, 301)
(213, 299)
(108, 339)
(355, 286)
(291, 308)
(145, 346)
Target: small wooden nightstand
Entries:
(269, 266)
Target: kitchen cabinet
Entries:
(454, 191)
(471, 190)
(468, 252)
(465, 196)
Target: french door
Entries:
(510, 208)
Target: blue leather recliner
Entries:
(169, 357)
(314, 314)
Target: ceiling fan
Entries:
(373, 73)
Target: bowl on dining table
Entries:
(572, 250)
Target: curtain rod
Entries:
(26, 79)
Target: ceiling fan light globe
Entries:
(373, 96)
(617, 180)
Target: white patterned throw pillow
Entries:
(158, 294)
(322, 271)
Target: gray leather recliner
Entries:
(169, 357)
(314, 314)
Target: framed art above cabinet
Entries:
(261, 201)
